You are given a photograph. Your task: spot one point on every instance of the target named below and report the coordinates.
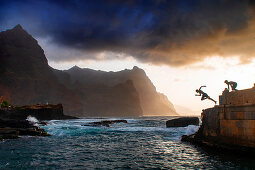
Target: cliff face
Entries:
(152, 102)
(25, 76)
(119, 100)
(27, 79)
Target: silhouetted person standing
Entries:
(232, 84)
(203, 94)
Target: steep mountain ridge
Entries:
(152, 102)
(26, 79)
(25, 76)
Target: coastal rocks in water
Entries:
(11, 129)
(188, 138)
(16, 121)
(43, 123)
(33, 131)
(106, 123)
(8, 133)
(183, 122)
(41, 112)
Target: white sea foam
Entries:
(191, 129)
(32, 120)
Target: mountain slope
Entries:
(152, 102)
(26, 78)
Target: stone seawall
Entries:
(231, 125)
(238, 97)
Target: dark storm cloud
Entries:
(174, 32)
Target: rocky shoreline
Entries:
(12, 129)
(41, 112)
(13, 121)
(216, 145)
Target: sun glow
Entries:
(180, 83)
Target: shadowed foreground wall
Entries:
(233, 121)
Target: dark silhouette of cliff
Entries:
(26, 79)
(152, 102)
(25, 76)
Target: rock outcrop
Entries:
(106, 123)
(182, 122)
(14, 122)
(41, 112)
(12, 129)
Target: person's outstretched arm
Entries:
(201, 88)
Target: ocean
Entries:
(142, 143)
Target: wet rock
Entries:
(182, 122)
(15, 123)
(8, 133)
(106, 123)
(41, 112)
(12, 129)
(8, 136)
(188, 138)
(42, 123)
(36, 131)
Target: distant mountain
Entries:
(184, 111)
(26, 78)
(152, 102)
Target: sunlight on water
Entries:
(142, 143)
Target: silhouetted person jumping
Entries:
(232, 84)
(203, 94)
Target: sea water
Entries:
(142, 143)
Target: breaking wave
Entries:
(191, 129)
(32, 120)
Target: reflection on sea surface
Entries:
(141, 143)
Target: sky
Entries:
(181, 44)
